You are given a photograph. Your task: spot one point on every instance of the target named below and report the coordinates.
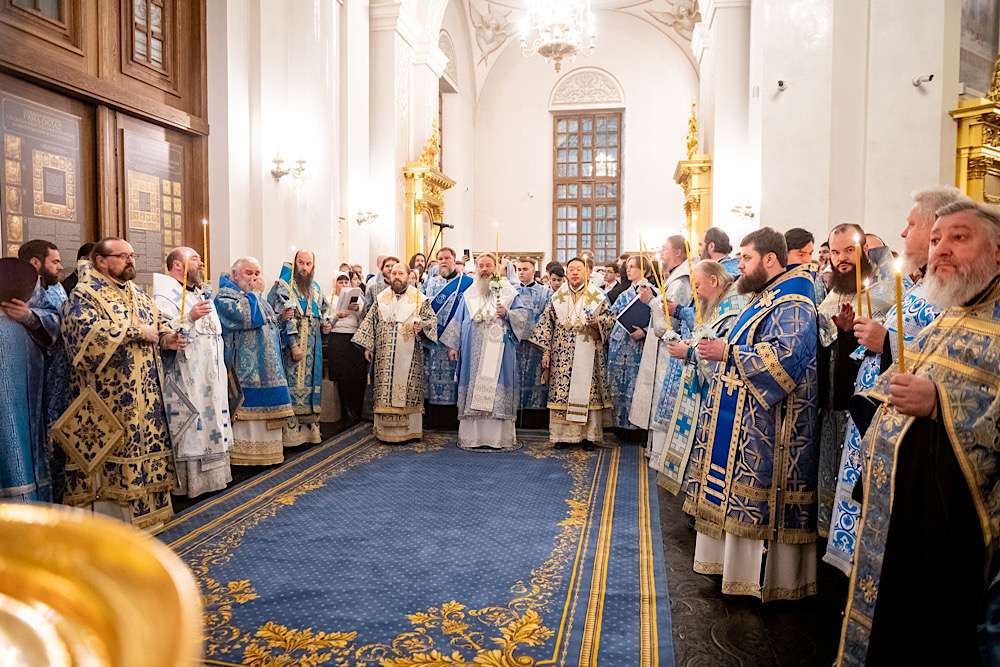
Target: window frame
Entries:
(585, 240)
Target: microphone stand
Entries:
(437, 237)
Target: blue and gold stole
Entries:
(456, 285)
(310, 303)
(960, 352)
(731, 391)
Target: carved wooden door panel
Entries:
(162, 195)
(48, 191)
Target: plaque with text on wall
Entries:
(154, 200)
(41, 175)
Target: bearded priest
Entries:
(930, 516)
(299, 301)
(445, 293)
(482, 337)
(572, 333)
(391, 334)
(258, 397)
(757, 491)
(115, 431)
(194, 380)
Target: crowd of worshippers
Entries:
(843, 410)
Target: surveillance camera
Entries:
(781, 84)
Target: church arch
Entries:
(587, 88)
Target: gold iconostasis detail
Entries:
(977, 149)
(694, 175)
(425, 186)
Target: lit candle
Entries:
(857, 272)
(868, 297)
(184, 287)
(900, 340)
(204, 248)
(694, 288)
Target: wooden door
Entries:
(162, 194)
(49, 184)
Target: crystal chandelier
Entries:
(562, 29)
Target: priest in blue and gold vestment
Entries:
(445, 293)
(930, 516)
(572, 332)
(391, 335)
(534, 392)
(758, 485)
(878, 352)
(686, 384)
(29, 336)
(300, 304)
(115, 431)
(258, 391)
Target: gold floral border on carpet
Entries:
(448, 635)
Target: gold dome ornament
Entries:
(82, 590)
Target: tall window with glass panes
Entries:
(586, 205)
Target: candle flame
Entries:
(898, 264)
(204, 222)
(867, 283)
(857, 238)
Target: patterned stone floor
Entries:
(712, 630)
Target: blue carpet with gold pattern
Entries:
(356, 553)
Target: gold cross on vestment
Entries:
(767, 298)
(731, 382)
(589, 298)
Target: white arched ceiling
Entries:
(495, 24)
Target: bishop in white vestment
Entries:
(482, 336)
(389, 334)
(195, 394)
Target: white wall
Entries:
(459, 120)
(792, 42)
(513, 145)
(274, 85)
(910, 137)
(850, 136)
